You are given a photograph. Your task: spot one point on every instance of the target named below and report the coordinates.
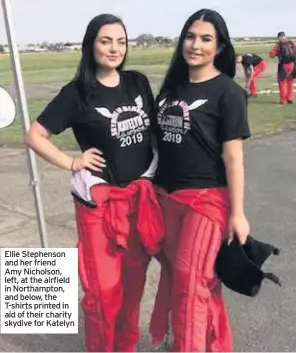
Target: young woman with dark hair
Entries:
(118, 217)
(202, 122)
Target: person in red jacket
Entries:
(285, 50)
(253, 66)
(118, 217)
(201, 125)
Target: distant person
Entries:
(253, 66)
(285, 50)
(117, 214)
(201, 125)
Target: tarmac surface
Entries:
(266, 323)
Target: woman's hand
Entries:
(239, 225)
(91, 159)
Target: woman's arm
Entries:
(234, 165)
(235, 174)
(234, 130)
(60, 114)
(37, 138)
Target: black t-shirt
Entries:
(249, 60)
(116, 121)
(192, 129)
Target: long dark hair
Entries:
(225, 62)
(86, 73)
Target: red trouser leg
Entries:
(289, 68)
(253, 88)
(100, 277)
(286, 85)
(290, 89)
(134, 269)
(283, 91)
(159, 324)
(199, 317)
(258, 70)
(113, 284)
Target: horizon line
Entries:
(133, 39)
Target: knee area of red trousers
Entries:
(190, 284)
(204, 276)
(135, 264)
(135, 259)
(111, 297)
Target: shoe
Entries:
(290, 102)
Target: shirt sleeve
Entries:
(234, 114)
(61, 111)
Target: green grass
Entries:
(265, 114)
(61, 67)
(13, 135)
(261, 49)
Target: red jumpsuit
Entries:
(195, 221)
(258, 70)
(116, 241)
(284, 76)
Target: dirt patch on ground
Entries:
(38, 91)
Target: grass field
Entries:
(47, 72)
(54, 67)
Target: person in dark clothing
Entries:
(201, 125)
(285, 50)
(118, 217)
(253, 66)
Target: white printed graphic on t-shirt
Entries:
(127, 122)
(176, 126)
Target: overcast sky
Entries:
(66, 20)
